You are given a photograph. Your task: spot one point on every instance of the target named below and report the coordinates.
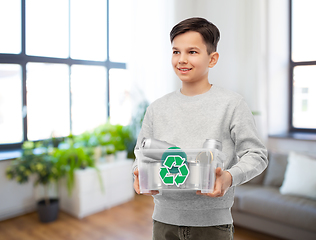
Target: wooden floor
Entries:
(129, 221)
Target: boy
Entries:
(199, 111)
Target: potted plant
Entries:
(44, 166)
(114, 139)
(88, 141)
(71, 156)
(106, 135)
(122, 141)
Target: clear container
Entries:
(178, 169)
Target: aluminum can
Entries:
(212, 144)
(151, 143)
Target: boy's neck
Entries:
(191, 89)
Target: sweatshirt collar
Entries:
(195, 97)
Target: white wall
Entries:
(278, 65)
(150, 62)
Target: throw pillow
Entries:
(276, 169)
(299, 176)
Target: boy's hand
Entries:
(223, 181)
(136, 185)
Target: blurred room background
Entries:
(67, 67)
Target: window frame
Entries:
(292, 65)
(22, 59)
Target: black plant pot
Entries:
(48, 213)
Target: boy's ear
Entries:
(213, 59)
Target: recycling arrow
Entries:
(179, 178)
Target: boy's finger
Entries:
(136, 182)
(215, 193)
(136, 187)
(219, 171)
(217, 190)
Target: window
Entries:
(55, 63)
(303, 66)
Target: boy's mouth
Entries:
(184, 70)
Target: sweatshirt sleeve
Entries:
(146, 131)
(250, 150)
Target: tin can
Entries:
(212, 144)
(151, 143)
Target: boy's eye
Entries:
(193, 52)
(176, 52)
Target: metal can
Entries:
(151, 143)
(212, 144)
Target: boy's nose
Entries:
(182, 59)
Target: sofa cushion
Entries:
(240, 191)
(276, 169)
(300, 176)
(269, 203)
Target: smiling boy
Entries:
(191, 61)
(188, 116)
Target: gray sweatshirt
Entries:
(186, 122)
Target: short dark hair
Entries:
(208, 30)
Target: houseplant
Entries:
(123, 140)
(71, 156)
(43, 166)
(107, 137)
(113, 139)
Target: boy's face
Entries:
(190, 59)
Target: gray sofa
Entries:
(260, 206)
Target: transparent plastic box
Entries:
(177, 169)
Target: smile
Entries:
(184, 69)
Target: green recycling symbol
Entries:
(179, 178)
